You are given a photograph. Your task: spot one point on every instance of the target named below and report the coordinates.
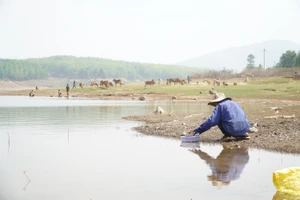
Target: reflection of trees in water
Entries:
(53, 115)
(227, 166)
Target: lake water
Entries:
(74, 149)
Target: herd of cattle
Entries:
(104, 83)
(169, 81)
(217, 82)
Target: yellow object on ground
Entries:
(285, 196)
(287, 180)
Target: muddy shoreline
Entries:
(276, 128)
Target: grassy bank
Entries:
(257, 88)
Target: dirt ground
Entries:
(274, 128)
(277, 122)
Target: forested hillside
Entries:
(87, 68)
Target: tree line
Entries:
(288, 59)
(87, 68)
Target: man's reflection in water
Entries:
(227, 167)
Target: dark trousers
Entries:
(223, 131)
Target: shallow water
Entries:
(54, 148)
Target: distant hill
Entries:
(236, 58)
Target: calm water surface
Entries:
(73, 149)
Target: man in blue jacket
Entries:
(228, 116)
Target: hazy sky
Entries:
(155, 31)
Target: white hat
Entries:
(218, 97)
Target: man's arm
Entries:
(213, 120)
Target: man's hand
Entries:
(190, 133)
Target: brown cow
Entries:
(94, 83)
(103, 82)
(108, 84)
(248, 75)
(173, 80)
(217, 82)
(81, 85)
(150, 83)
(206, 81)
(118, 81)
(225, 84)
(182, 81)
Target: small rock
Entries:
(253, 124)
(276, 108)
(158, 110)
(142, 98)
(253, 130)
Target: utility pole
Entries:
(264, 58)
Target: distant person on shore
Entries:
(59, 94)
(228, 116)
(31, 93)
(67, 89)
(74, 85)
(188, 79)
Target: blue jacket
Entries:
(229, 115)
